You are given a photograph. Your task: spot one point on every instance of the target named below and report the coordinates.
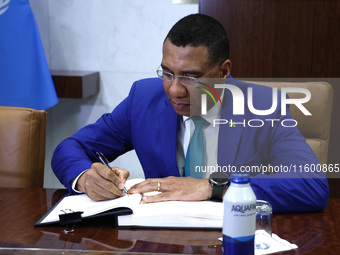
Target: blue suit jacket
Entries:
(146, 121)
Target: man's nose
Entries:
(177, 89)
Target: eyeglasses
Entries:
(184, 80)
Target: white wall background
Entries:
(122, 39)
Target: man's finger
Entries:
(122, 175)
(113, 176)
(157, 198)
(99, 183)
(146, 186)
(105, 189)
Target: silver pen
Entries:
(104, 160)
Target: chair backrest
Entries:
(315, 128)
(22, 147)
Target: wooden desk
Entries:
(20, 208)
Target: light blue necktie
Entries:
(195, 151)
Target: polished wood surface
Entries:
(20, 208)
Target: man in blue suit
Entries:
(153, 120)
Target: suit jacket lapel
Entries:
(229, 136)
(168, 123)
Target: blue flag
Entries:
(25, 78)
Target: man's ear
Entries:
(226, 68)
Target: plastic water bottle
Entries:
(239, 221)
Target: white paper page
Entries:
(89, 207)
(204, 214)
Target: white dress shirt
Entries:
(186, 128)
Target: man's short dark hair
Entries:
(201, 30)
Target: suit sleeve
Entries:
(110, 135)
(293, 186)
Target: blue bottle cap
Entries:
(240, 178)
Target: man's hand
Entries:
(174, 188)
(99, 183)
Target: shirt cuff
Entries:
(74, 182)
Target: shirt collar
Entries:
(212, 113)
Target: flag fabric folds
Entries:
(25, 78)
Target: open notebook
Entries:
(169, 214)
